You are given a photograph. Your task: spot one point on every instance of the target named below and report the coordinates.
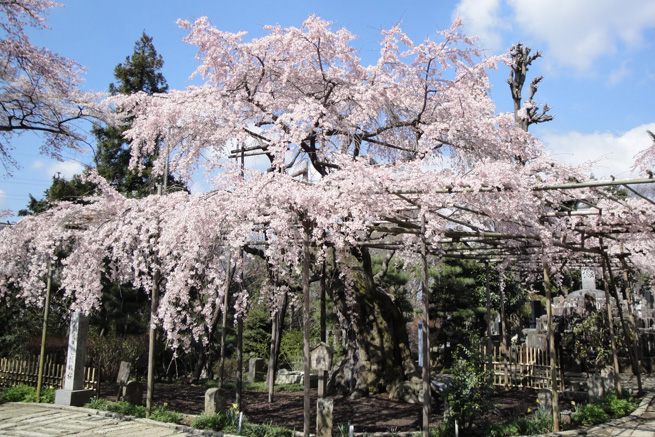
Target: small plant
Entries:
(216, 422)
(25, 393)
(97, 404)
(161, 414)
(608, 407)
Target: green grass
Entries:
(25, 393)
(229, 422)
(159, 413)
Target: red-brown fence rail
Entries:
(15, 371)
(523, 367)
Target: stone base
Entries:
(74, 398)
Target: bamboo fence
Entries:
(15, 371)
(523, 367)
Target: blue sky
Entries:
(598, 61)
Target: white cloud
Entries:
(67, 169)
(612, 154)
(482, 18)
(577, 32)
(619, 74)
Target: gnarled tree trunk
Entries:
(378, 357)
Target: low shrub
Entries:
(161, 414)
(610, 406)
(25, 393)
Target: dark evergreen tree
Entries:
(139, 73)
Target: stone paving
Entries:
(45, 420)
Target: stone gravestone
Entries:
(133, 393)
(324, 408)
(321, 360)
(256, 368)
(73, 392)
(588, 278)
(123, 377)
(216, 401)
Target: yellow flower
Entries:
(573, 403)
(529, 410)
(51, 387)
(165, 404)
(537, 400)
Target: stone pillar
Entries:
(73, 392)
(133, 393)
(256, 367)
(324, 408)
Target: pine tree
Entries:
(139, 72)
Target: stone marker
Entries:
(123, 378)
(596, 386)
(256, 368)
(324, 408)
(216, 401)
(73, 392)
(545, 398)
(588, 278)
(321, 360)
(133, 393)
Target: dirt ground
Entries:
(372, 414)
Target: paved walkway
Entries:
(45, 420)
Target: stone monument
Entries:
(73, 392)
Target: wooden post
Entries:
(631, 317)
(610, 321)
(551, 342)
(150, 385)
(425, 294)
(490, 343)
(226, 303)
(44, 331)
(627, 334)
(306, 331)
(239, 394)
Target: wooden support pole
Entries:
(631, 317)
(490, 343)
(425, 294)
(44, 332)
(306, 331)
(610, 321)
(152, 333)
(226, 303)
(628, 333)
(552, 351)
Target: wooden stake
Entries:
(44, 331)
(306, 331)
(553, 353)
(425, 294)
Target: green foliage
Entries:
(610, 406)
(228, 422)
(541, 422)
(126, 409)
(61, 190)
(587, 339)
(216, 422)
(140, 72)
(97, 404)
(469, 396)
(458, 304)
(25, 393)
(590, 414)
(257, 332)
(291, 346)
(161, 414)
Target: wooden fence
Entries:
(524, 367)
(15, 371)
